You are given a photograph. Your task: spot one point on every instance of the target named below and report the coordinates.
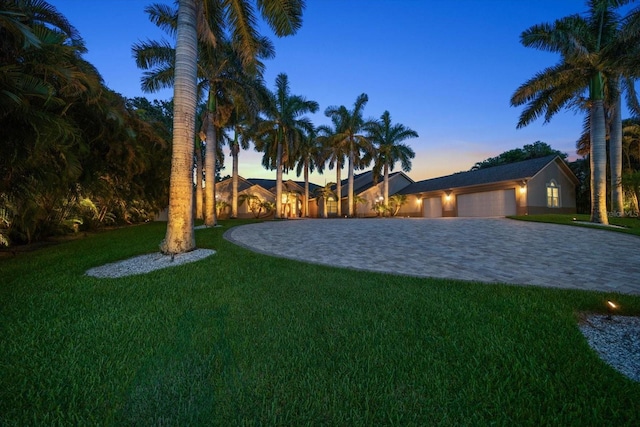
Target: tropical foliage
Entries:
(595, 52)
(281, 131)
(528, 151)
(348, 139)
(326, 194)
(389, 148)
(396, 202)
(208, 21)
(256, 205)
(74, 154)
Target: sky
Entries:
(444, 68)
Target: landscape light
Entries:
(611, 306)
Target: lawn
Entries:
(242, 338)
(629, 225)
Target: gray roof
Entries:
(512, 171)
(367, 185)
(270, 184)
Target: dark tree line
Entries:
(73, 153)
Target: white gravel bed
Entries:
(616, 340)
(147, 263)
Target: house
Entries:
(536, 186)
(265, 190)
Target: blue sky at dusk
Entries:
(445, 68)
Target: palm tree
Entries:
(180, 236)
(333, 153)
(389, 148)
(350, 124)
(309, 158)
(583, 43)
(326, 194)
(396, 202)
(247, 102)
(283, 16)
(282, 130)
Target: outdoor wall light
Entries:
(448, 194)
(611, 307)
(523, 186)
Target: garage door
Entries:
(432, 208)
(488, 203)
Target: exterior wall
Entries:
(313, 209)
(412, 208)
(223, 192)
(537, 191)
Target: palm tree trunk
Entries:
(180, 236)
(235, 148)
(199, 214)
(305, 204)
(278, 213)
(598, 163)
(615, 157)
(385, 185)
(339, 188)
(350, 195)
(210, 169)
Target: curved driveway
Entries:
(486, 250)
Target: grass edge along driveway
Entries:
(244, 338)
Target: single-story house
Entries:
(364, 187)
(536, 186)
(265, 190)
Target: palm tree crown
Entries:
(348, 137)
(281, 131)
(387, 138)
(587, 65)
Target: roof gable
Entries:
(364, 181)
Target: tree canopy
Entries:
(529, 151)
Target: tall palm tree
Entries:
(350, 125)
(309, 158)
(326, 194)
(583, 43)
(247, 103)
(282, 129)
(283, 16)
(180, 237)
(387, 139)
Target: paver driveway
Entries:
(477, 249)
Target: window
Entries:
(553, 195)
(332, 207)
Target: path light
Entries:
(611, 307)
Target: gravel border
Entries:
(616, 340)
(146, 263)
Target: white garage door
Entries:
(432, 208)
(488, 203)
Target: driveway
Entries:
(487, 250)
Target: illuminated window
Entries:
(553, 195)
(332, 206)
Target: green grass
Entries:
(245, 339)
(627, 225)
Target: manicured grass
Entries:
(245, 339)
(629, 225)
